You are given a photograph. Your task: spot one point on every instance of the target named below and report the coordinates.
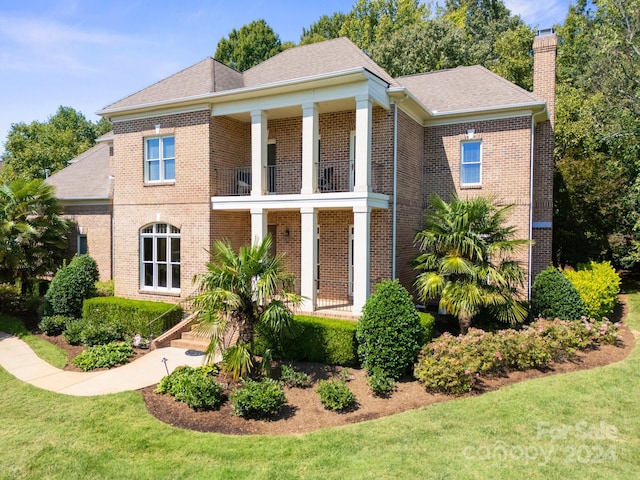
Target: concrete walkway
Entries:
(20, 361)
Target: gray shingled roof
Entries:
(204, 77)
(464, 88)
(443, 91)
(311, 60)
(86, 177)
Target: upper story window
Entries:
(471, 163)
(160, 258)
(159, 159)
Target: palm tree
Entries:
(32, 231)
(239, 291)
(465, 260)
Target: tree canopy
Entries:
(33, 148)
(249, 46)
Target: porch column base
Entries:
(361, 274)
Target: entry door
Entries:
(351, 253)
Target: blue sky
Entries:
(87, 54)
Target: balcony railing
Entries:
(281, 179)
(233, 181)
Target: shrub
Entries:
(294, 379)
(73, 331)
(196, 387)
(389, 332)
(379, 383)
(99, 334)
(10, 301)
(54, 325)
(451, 364)
(428, 323)
(132, 316)
(71, 285)
(105, 288)
(335, 395)
(553, 296)
(258, 399)
(598, 285)
(325, 340)
(104, 356)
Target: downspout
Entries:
(533, 126)
(395, 191)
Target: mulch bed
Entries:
(304, 412)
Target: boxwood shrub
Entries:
(598, 285)
(197, 387)
(131, 316)
(70, 286)
(553, 296)
(258, 399)
(389, 333)
(325, 340)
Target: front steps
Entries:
(189, 341)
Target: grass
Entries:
(52, 354)
(580, 425)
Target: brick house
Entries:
(321, 148)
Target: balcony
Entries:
(333, 176)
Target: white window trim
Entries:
(462, 164)
(154, 235)
(161, 159)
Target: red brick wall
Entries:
(506, 164)
(184, 204)
(95, 221)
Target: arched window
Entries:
(160, 258)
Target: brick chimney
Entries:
(544, 69)
(544, 87)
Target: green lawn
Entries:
(574, 426)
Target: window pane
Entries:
(471, 173)
(148, 275)
(161, 252)
(154, 170)
(153, 148)
(169, 169)
(147, 249)
(161, 228)
(175, 276)
(162, 274)
(175, 250)
(82, 245)
(168, 147)
(471, 152)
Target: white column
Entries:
(363, 144)
(308, 257)
(258, 152)
(361, 239)
(309, 148)
(258, 225)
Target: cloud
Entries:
(40, 45)
(541, 14)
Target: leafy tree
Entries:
(238, 291)
(33, 148)
(71, 285)
(598, 134)
(433, 45)
(465, 260)
(371, 21)
(325, 28)
(32, 231)
(252, 44)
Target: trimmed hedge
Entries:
(598, 285)
(325, 340)
(131, 316)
